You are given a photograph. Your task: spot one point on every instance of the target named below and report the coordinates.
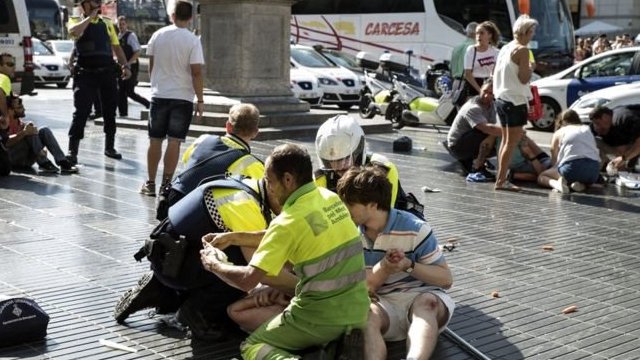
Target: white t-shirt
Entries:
(484, 63)
(576, 142)
(173, 49)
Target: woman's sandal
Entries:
(506, 186)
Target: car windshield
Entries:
(310, 58)
(40, 49)
(341, 59)
(63, 46)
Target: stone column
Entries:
(246, 49)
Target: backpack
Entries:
(173, 247)
(21, 320)
(212, 157)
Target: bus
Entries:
(143, 17)
(47, 19)
(430, 28)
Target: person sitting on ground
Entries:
(574, 154)
(618, 135)
(200, 297)
(28, 144)
(215, 155)
(315, 234)
(340, 144)
(406, 270)
(472, 134)
(528, 160)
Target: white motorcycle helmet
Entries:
(340, 143)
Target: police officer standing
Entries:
(96, 39)
(126, 87)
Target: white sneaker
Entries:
(578, 186)
(560, 185)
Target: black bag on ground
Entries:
(21, 320)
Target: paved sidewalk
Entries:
(67, 241)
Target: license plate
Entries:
(55, 74)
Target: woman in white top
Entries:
(511, 89)
(480, 59)
(575, 155)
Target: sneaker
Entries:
(66, 167)
(352, 346)
(48, 168)
(578, 186)
(560, 185)
(148, 188)
(147, 294)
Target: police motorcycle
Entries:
(412, 106)
(379, 90)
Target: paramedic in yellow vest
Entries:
(96, 39)
(315, 233)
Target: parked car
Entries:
(63, 48)
(621, 95)
(305, 86)
(559, 91)
(49, 68)
(341, 86)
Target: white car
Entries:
(341, 86)
(621, 95)
(305, 86)
(559, 91)
(49, 68)
(64, 48)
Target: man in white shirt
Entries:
(175, 66)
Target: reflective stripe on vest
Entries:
(335, 284)
(324, 264)
(330, 261)
(265, 349)
(236, 196)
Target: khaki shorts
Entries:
(397, 306)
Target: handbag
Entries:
(459, 96)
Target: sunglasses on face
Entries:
(10, 64)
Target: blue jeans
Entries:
(585, 171)
(169, 118)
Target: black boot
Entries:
(74, 145)
(109, 149)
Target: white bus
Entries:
(430, 28)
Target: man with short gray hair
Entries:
(457, 55)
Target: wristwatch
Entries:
(409, 270)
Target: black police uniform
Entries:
(95, 71)
(126, 88)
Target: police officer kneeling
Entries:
(96, 39)
(178, 280)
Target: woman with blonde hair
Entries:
(511, 89)
(574, 154)
(480, 59)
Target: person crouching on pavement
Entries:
(618, 132)
(96, 41)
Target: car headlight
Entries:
(327, 81)
(590, 103)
